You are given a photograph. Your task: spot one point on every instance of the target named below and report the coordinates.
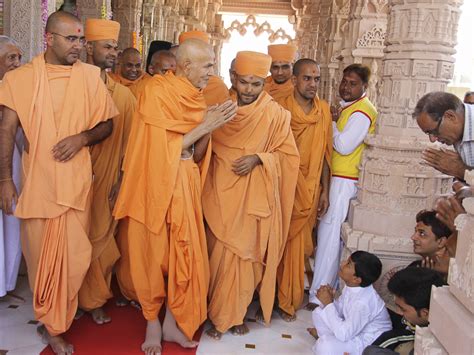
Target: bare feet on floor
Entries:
(99, 316)
(172, 333)
(152, 343)
(239, 329)
(313, 332)
(285, 316)
(311, 306)
(214, 333)
(259, 316)
(58, 344)
(121, 301)
(79, 314)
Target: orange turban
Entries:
(252, 63)
(98, 29)
(203, 36)
(282, 52)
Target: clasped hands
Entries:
(446, 161)
(326, 294)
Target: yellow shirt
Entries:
(347, 166)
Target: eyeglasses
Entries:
(72, 39)
(435, 132)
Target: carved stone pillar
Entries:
(89, 8)
(393, 185)
(334, 15)
(148, 23)
(307, 26)
(364, 39)
(452, 307)
(128, 13)
(23, 23)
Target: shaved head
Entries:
(162, 61)
(195, 61)
(57, 18)
(131, 64)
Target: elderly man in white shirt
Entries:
(10, 250)
(446, 119)
(355, 120)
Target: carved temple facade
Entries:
(408, 45)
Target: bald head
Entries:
(161, 62)
(58, 18)
(195, 61)
(131, 64)
(10, 55)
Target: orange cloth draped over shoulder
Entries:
(106, 164)
(54, 102)
(248, 216)
(278, 91)
(216, 92)
(133, 85)
(160, 201)
(313, 136)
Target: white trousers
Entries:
(10, 247)
(328, 344)
(328, 250)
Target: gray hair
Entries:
(436, 103)
(8, 40)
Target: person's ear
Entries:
(450, 115)
(424, 314)
(293, 80)
(49, 39)
(357, 280)
(89, 48)
(442, 242)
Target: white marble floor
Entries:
(18, 332)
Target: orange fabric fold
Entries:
(254, 225)
(216, 91)
(101, 29)
(133, 85)
(106, 164)
(313, 136)
(203, 36)
(278, 91)
(156, 199)
(54, 102)
(282, 52)
(252, 63)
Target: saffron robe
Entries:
(54, 102)
(248, 216)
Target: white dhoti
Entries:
(328, 250)
(328, 344)
(10, 247)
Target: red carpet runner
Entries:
(124, 335)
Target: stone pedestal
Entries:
(452, 307)
(393, 185)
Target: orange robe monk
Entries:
(278, 91)
(248, 216)
(216, 92)
(131, 84)
(106, 164)
(160, 202)
(54, 102)
(313, 136)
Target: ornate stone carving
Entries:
(427, 344)
(372, 39)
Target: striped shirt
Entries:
(465, 148)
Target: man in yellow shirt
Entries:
(355, 121)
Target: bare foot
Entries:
(136, 305)
(214, 333)
(239, 329)
(311, 306)
(172, 333)
(152, 343)
(121, 302)
(58, 344)
(313, 332)
(79, 314)
(99, 316)
(285, 316)
(259, 316)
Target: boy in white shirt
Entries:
(354, 320)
